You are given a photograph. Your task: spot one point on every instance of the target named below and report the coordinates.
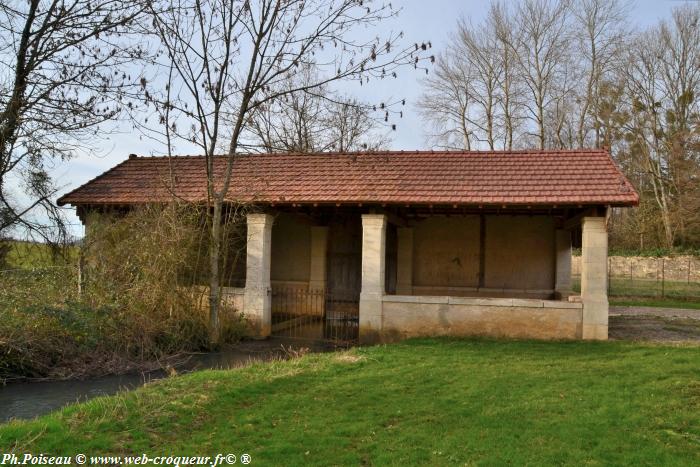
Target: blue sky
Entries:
(419, 20)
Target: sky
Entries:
(420, 20)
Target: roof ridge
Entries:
(385, 152)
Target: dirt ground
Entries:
(654, 324)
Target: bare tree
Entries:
(600, 37)
(474, 97)
(542, 51)
(63, 74)
(446, 102)
(231, 57)
(316, 121)
(479, 46)
(500, 19)
(295, 124)
(463, 97)
(560, 131)
(352, 126)
(661, 126)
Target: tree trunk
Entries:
(489, 120)
(508, 117)
(589, 96)
(540, 124)
(465, 130)
(214, 274)
(10, 117)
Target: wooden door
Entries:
(344, 262)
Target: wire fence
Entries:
(675, 278)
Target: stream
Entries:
(25, 400)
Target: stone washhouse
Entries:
(415, 243)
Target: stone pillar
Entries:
(404, 263)
(317, 269)
(562, 284)
(257, 301)
(594, 278)
(373, 272)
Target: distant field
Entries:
(32, 255)
(649, 289)
(655, 302)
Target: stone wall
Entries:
(519, 255)
(677, 268)
(233, 297)
(519, 252)
(446, 252)
(291, 250)
(408, 316)
(232, 300)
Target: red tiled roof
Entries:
(582, 177)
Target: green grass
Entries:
(435, 402)
(655, 302)
(30, 255)
(647, 292)
(654, 289)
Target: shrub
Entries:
(139, 302)
(145, 264)
(54, 341)
(5, 247)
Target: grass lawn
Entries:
(645, 292)
(28, 255)
(655, 302)
(432, 402)
(651, 288)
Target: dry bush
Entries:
(42, 325)
(5, 248)
(143, 265)
(142, 299)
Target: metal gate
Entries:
(330, 315)
(315, 315)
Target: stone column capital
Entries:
(594, 222)
(257, 218)
(374, 219)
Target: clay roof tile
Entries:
(416, 177)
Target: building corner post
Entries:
(594, 278)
